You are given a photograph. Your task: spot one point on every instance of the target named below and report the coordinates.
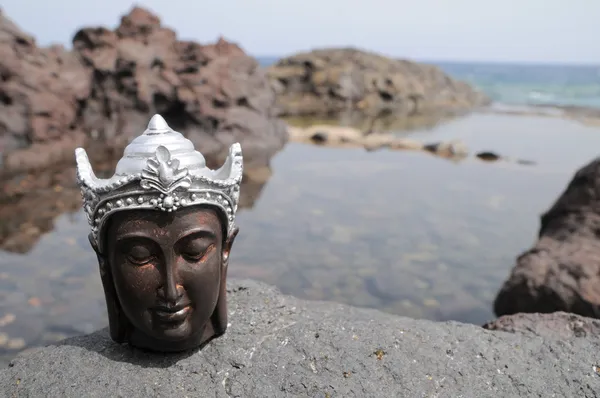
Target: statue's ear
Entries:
(228, 244)
(219, 318)
(117, 321)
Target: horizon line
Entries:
(462, 61)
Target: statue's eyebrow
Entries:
(198, 232)
(135, 235)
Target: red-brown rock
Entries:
(562, 271)
(105, 90)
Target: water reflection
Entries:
(30, 203)
(404, 232)
(378, 123)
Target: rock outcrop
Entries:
(561, 272)
(104, 91)
(330, 81)
(279, 346)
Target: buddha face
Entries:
(167, 270)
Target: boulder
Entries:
(279, 346)
(488, 156)
(330, 81)
(104, 91)
(561, 272)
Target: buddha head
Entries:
(162, 228)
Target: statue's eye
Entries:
(196, 253)
(139, 255)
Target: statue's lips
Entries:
(172, 314)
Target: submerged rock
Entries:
(320, 137)
(342, 136)
(561, 272)
(104, 92)
(329, 81)
(488, 156)
(451, 149)
(279, 346)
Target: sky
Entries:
(523, 31)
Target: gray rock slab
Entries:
(280, 346)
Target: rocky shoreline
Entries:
(104, 91)
(280, 346)
(561, 272)
(330, 81)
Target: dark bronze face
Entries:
(168, 272)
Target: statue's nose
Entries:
(171, 292)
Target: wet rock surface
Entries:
(561, 272)
(104, 92)
(280, 346)
(329, 81)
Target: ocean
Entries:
(525, 85)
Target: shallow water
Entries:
(404, 232)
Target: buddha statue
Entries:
(162, 228)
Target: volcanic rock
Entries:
(330, 81)
(280, 346)
(104, 91)
(561, 272)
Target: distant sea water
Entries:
(525, 85)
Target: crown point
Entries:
(157, 123)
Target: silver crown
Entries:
(159, 170)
